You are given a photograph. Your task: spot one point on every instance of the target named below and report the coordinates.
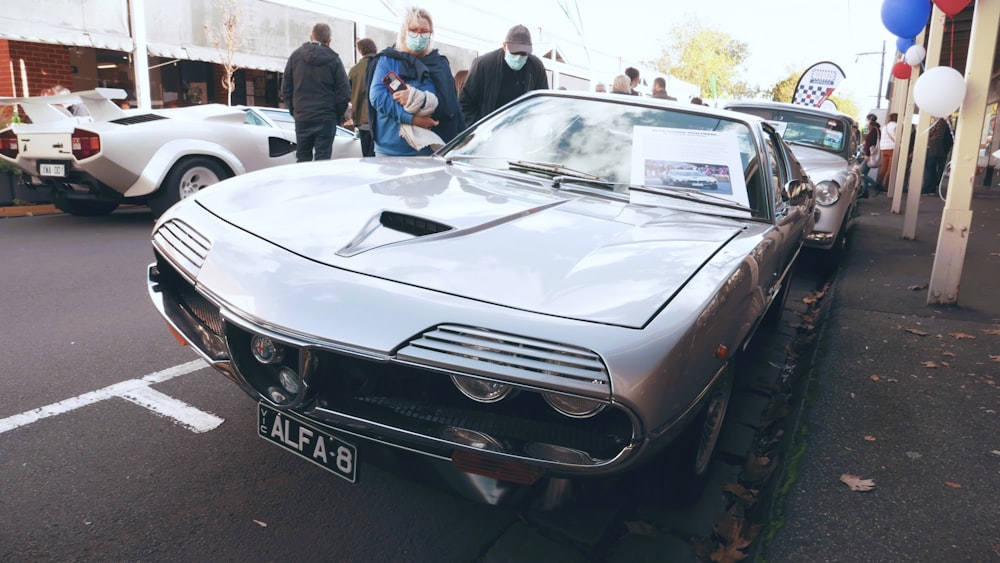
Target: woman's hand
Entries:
(425, 121)
(401, 96)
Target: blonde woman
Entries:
(412, 92)
(621, 85)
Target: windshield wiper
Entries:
(553, 169)
(694, 195)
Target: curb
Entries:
(28, 210)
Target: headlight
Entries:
(575, 407)
(827, 193)
(481, 390)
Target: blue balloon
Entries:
(902, 44)
(906, 18)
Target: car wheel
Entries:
(83, 207)
(185, 179)
(678, 477)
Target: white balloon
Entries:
(939, 91)
(915, 55)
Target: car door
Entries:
(793, 216)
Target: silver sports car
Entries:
(826, 144)
(519, 312)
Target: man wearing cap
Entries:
(499, 76)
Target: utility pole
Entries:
(881, 72)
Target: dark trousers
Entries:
(314, 136)
(367, 142)
(933, 170)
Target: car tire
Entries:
(185, 179)
(83, 207)
(677, 478)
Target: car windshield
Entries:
(622, 144)
(825, 132)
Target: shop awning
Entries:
(213, 55)
(38, 32)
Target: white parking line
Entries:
(136, 391)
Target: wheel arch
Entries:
(172, 153)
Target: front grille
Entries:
(524, 360)
(373, 395)
(183, 245)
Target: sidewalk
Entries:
(903, 394)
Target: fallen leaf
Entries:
(875, 377)
(640, 528)
(261, 524)
(916, 287)
(857, 483)
(953, 485)
(961, 335)
(994, 358)
(995, 452)
(870, 438)
(949, 354)
(913, 455)
(993, 331)
(929, 364)
(916, 331)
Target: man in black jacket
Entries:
(316, 90)
(499, 76)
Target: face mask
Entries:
(418, 43)
(515, 62)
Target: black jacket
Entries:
(479, 95)
(315, 85)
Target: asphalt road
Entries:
(116, 444)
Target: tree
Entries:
(706, 57)
(227, 41)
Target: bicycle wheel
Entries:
(943, 184)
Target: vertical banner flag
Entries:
(817, 83)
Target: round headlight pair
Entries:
(827, 193)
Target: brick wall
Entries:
(45, 66)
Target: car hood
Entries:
(477, 234)
(820, 164)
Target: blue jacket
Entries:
(430, 73)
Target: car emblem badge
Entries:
(265, 350)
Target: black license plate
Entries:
(305, 440)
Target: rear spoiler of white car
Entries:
(44, 109)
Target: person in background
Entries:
(424, 114)
(621, 85)
(499, 76)
(697, 101)
(316, 91)
(660, 89)
(872, 135)
(600, 88)
(633, 75)
(78, 110)
(460, 78)
(939, 142)
(887, 144)
(359, 95)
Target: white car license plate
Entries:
(48, 169)
(300, 437)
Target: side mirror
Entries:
(796, 190)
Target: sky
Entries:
(782, 35)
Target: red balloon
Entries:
(901, 70)
(952, 7)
